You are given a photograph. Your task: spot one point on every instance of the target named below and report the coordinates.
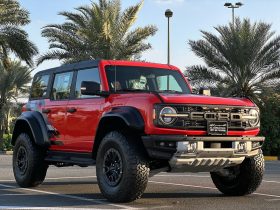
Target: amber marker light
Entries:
(154, 114)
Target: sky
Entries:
(189, 17)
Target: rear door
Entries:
(55, 108)
(83, 113)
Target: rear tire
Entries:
(243, 179)
(28, 162)
(122, 170)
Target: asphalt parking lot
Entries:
(76, 188)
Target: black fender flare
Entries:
(37, 125)
(130, 115)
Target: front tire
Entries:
(122, 169)
(28, 162)
(241, 180)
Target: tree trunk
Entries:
(6, 121)
(2, 115)
(1, 125)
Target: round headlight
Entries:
(166, 119)
(256, 117)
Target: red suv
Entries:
(132, 120)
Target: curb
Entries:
(271, 158)
(6, 152)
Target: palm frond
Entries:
(16, 40)
(99, 30)
(11, 13)
(242, 59)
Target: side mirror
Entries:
(92, 88)
(205, 91)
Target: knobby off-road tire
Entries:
(244, 179)
(28, 162)
(122, 169)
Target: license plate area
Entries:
(217, 128)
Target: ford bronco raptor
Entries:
(132, 120)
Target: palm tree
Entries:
(13, 39)
(13, 81)
(97, 31)
(242, 61)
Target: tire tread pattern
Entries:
(136, 177)
(37, 168)
(249, 179)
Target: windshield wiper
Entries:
(170, 91)
(133, 90)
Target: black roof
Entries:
(72, 66)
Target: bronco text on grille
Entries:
(196, 116)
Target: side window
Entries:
(89, 75)
(40, 86)
(62, 86)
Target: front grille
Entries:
(199, 115)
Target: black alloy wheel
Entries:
(112, 167)
(21, 161)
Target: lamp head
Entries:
(168, 13)
(228, 4)
(239, 4)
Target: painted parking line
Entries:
(268, 195)
(212, 188)
(13, 194)
(182, 175)
(56, 178)
(269, 181)
(183, 185)
(158, 175)
(69, 208)
(7, 180)
(199, 176)
(44, 208)
(70, 177)
(96, 201)
(274, 199)
(127, 207)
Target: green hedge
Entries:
(5, 143)
(270, 124)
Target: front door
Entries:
(83, 114)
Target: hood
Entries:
(201, 99)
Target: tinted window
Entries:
(61, 86)
(89, 75)
(40, 86)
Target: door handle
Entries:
(46, 111)
(71, 110)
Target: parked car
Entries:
(132, 120)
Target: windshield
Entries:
(141, 79)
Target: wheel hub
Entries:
(112, 167)
(22, 160)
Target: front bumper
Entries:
(201, 153)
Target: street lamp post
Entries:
(168, 14)
(233, 6)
